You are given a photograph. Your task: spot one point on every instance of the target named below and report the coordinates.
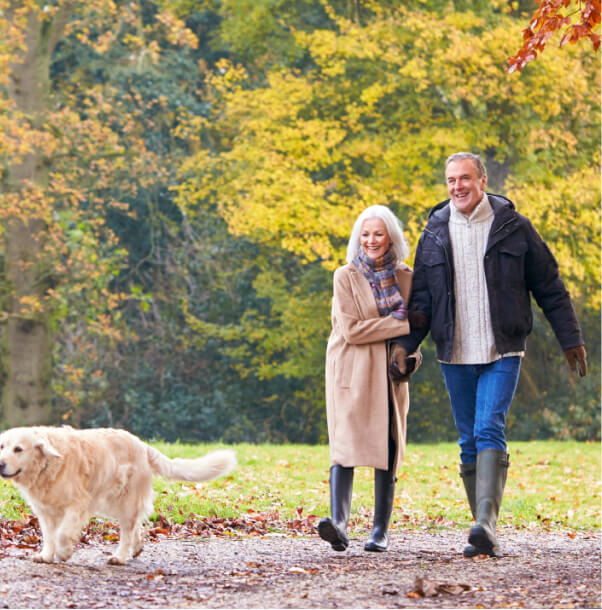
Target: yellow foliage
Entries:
(566, 212)
(297, 158)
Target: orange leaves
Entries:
(177, 32)
(551, 18)
(22, 534)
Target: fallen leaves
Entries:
(26, 533)
(423, 587)
(249, 523)
(156, 574)
(299, 570)
(23, 534)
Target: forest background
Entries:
(179, 180)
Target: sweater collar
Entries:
(482, 213)
(500, 205)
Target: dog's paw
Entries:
(39, 558)
(64, 554)
(115, 561)
(137, 551)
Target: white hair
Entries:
(393, 226)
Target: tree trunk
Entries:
(26, 354)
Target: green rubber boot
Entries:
(468, 472)
(492, 468)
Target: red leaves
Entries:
(249, 523)
(547, 20)
(162, 529)
(595, 38)
(21, 534)
(26, 534)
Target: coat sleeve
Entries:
(548, 289)
(420, 300)
(355, 329)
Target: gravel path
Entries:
(538, 570)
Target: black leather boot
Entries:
(468, 472)
(384, 493)
(492, 468)
(333, 529)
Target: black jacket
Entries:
(517, 263)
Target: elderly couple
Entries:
(477, 262)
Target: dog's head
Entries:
(23, 451)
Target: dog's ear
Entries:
(43, 444)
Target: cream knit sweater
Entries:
(474, 342)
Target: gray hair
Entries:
(393, 226)
(460, 156)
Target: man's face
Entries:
(464, 185)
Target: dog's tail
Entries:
(210, 466)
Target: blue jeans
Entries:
(480, 397)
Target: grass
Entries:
(551, 484)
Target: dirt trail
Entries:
(538, 570)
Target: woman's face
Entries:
(374, 238)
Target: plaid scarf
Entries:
(380, 273)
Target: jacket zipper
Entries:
(489, 246)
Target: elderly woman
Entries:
(366, 398)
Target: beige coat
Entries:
(357, 382)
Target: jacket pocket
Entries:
(343, 369)
(434, 262)
(514, 301)
(511, 277)
(512, 262)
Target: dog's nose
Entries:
(2, 466)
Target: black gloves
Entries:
(417, 319)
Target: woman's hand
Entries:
(397, 363)
(402, 364)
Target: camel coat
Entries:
(357, 381)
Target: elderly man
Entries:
(477, 262)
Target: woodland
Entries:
(178, 181)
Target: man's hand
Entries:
(417, 319)
(577, 359)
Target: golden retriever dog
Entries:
(67, 475)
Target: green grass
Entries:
(551, 484)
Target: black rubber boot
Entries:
(384, 493)
(492, 468)
(468, 472)
(333, 529)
